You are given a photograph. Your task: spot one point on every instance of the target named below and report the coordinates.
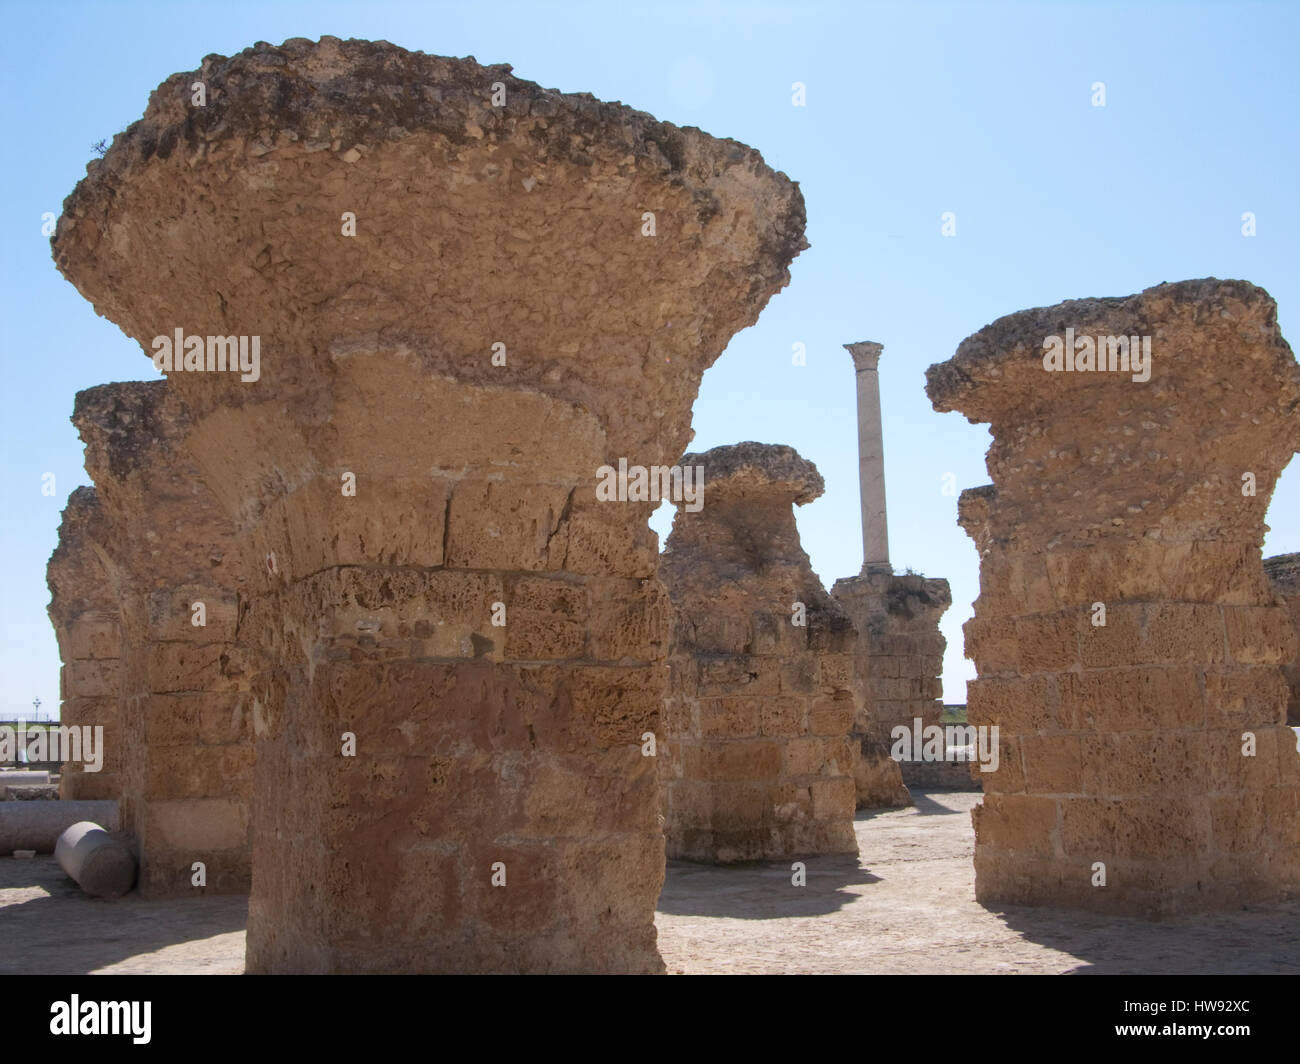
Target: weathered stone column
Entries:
(85, 614)
(1126, 638)
(871, 457)
(187, 744)
(756, 762)
(1284, 574)
(470, 294)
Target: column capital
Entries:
(866, 353)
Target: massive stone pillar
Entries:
(85, 614)
(470, 295)
(756, 762)
(187, 745)
(899, 652)
(1126, 638)
(1284, 574)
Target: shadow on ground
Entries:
(761, 890)
(50, 927)
(1260, 940)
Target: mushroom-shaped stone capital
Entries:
(1176, 407)
(1193, 341)
(758, 469)
(351, 201)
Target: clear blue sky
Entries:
(912, 110)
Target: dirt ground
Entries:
(906, 907)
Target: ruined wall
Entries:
(531, 290)
(84, 611)
(186, 741)
(898, 667)
(1151, 744)
(755, 761)
(1284, 574)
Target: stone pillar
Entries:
(187, 745)
(84, 611)
(871, 458)
(1126, 638)
(1284, 574)
(755, 762)
(898, 667)
(464, 629)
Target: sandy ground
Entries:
(907, 907)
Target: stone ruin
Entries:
(461, 312)
(186, 714)
(1127, 641)
(755, 762)
(1284, 574)
(87, 624)
(466, 297)
(899, 652)
(899, 662)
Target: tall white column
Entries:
(871, 458)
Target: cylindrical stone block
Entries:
(38, 825)
(103, 866)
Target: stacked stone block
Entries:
(1126, 637)
(756, 761)
(898, 669)
(186, 740)
(1284, 574)
(84, 611)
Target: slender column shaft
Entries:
(871, 457)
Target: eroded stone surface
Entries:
(1122, 743)
(186, 738)
(477, 746)
(756, 760)
(84, 611)
(1284, 574)
(898, 668)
